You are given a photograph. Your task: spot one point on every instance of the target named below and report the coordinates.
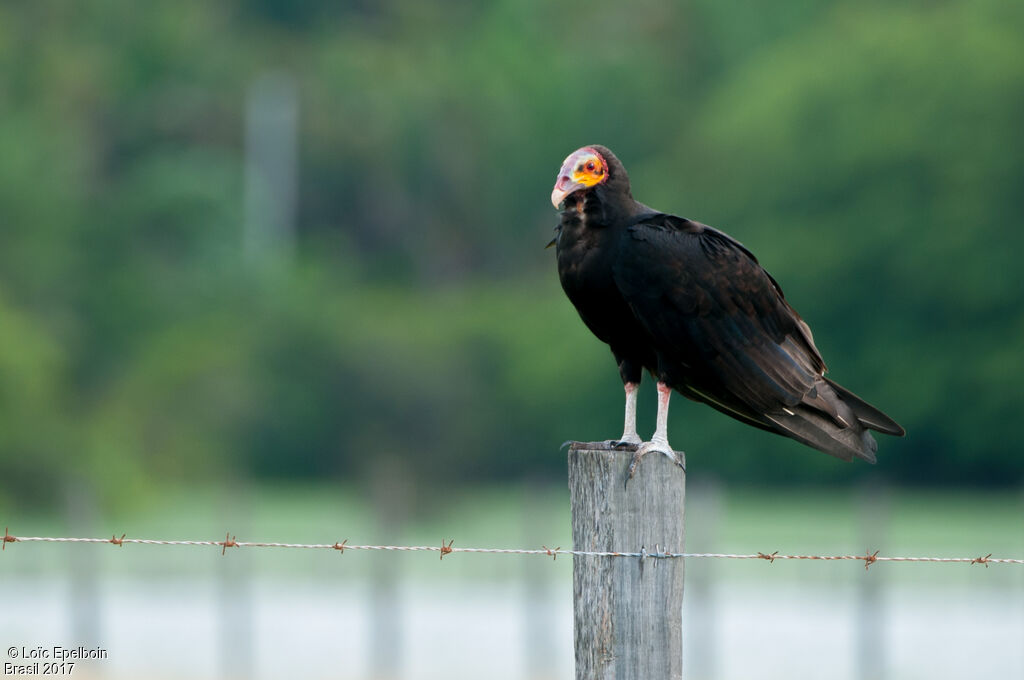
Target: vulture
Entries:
(692, 306)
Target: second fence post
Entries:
(627, 611)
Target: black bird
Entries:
(693, 306)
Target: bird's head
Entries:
(584, 169)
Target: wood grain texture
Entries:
(627, 611)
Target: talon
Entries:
(659, 446)
(679, 458)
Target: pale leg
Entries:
(659, 442)
(629, 435)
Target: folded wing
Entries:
(725, 335)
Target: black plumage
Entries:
(693, 306)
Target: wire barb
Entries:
(770, 558)
(7, 538)
(553, 553)
(228, 542)
(119, 542)
(446, 549)
(982, 560)
(340, 546)
(870, 559)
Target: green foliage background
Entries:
(870, 153)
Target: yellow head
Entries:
(583, 169)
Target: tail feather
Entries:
(834, 420)
(868, 415)
(818, 431)
(830, 418)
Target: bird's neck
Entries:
(601, 209)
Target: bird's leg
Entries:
(659, 442)
(629, 436)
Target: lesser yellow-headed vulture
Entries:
(693, 306)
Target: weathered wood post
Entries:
(627, 611)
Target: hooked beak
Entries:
(563, 187)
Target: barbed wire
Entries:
(230, 541)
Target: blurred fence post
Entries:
(874, 501)
(700, 616)
(627, 611)
(80, 505)
(539, 637)
(392, 490)
(234, 574)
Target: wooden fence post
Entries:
(627, 611)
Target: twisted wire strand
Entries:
(230, 542)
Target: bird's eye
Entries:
(590, 166)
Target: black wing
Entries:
(722, 326)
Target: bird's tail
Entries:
(868, 415)
(842, 431)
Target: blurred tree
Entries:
(870, 153)
(879, 169)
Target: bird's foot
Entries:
(629, 441)
(605, 445)
(656, 445)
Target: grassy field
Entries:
(472, 615)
